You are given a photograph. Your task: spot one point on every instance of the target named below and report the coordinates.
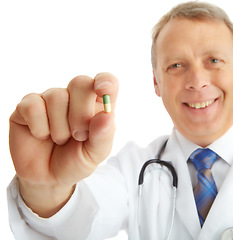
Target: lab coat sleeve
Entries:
(96, 210)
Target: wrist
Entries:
(45, 200)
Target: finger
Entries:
(106, 83)
(101, 134)
(57, 101)
(31, 111)
(82, 106)
(77, 160)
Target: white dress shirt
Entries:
(223, 147)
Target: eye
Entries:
(214, 60)
(175, 68)
(214, 63)
(176, 65)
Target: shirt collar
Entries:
(222, 146)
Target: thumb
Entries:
(69, 162)
(101, 134)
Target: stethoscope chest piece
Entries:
(227, 234)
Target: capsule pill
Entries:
(107, 103)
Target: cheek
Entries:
(170, 96)
(224, 79)
(224, 83)
(171, 89)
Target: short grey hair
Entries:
(191, 10)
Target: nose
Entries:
(197, 78)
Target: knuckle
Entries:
(31, 106)
(33, 111)
(56, 96)
(79, 81)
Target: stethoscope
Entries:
(226, 235)
(173, 173)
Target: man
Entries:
(58, 138)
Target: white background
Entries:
(44, 44)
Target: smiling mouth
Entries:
(200, 105)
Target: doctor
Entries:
(58, 138)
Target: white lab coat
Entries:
(106, 202)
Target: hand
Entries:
(59, 137)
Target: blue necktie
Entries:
(205, 190)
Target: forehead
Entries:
(181, 34)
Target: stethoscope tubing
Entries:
(172, 170)
(163, 163)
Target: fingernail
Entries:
(80, 135)
(103, 85)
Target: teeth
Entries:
(200, 105)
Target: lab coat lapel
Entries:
(185, 203)
(220, 216)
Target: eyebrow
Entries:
(169, 59)
(214, 52)
(180, 57)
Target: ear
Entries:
(156, 85)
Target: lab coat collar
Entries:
(185, 203)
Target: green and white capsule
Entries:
(107, 103)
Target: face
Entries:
(194, 77)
